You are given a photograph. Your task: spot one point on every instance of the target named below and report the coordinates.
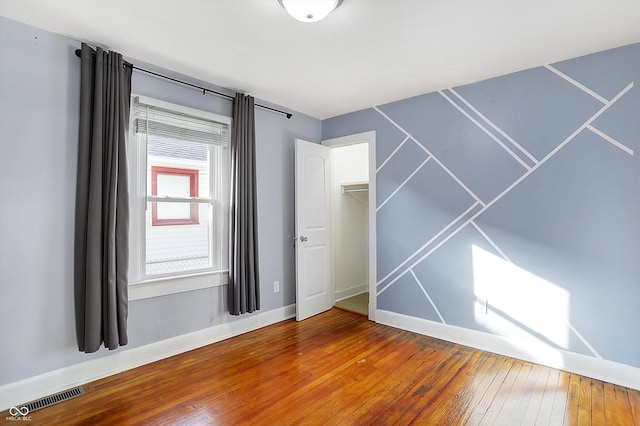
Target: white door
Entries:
(314, 292)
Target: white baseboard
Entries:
(600, 369)
(51, 382)
(351, 291)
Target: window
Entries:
(179, 189)
(171, 182)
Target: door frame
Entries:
(370, 138)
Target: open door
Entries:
(314, 292)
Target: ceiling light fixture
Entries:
(309, 10)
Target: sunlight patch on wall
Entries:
(512, 301)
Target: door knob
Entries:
(303, 238)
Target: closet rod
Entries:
(204, 89)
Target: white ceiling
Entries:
(367, 52)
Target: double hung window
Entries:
(179, 189)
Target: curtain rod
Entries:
(204, 89)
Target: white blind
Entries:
(152, 120)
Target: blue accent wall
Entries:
(512, 206)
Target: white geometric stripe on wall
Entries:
(485, 130)
(445, 168)
(424, 291)
(611, 140)
(405, 162)
(496, 128)
(392, 154)
(386, 200)
(426, 245)
(577, 84)
(490, 241)
(598, 97)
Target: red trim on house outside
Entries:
(194, 218)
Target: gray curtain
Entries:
(244, 282)
(102, 202)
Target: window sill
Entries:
(171, 285)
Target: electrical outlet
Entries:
(276, 286)
(482, 305)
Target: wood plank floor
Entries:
(340, 369)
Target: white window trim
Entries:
(170, 285)
(141, 287)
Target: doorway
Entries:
(352, 206)
(350, 226)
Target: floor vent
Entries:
(54, 399)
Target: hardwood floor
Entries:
(339, 369)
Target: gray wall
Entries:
(515, 190)
(39, 102)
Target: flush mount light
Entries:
(309, 10)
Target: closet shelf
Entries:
(354, 187)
